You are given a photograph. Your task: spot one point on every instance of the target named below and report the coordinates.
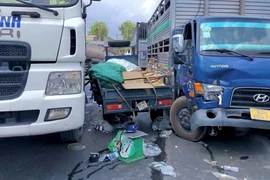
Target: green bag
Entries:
(122, 144)
(134, 151)
(108, 73)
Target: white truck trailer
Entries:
(42, 54)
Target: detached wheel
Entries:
(180, 120)
(72, 135)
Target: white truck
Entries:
(42, 54)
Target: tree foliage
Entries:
(127, 29)
(100, 30)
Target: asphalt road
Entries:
(45, 158)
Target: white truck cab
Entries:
(42, 54)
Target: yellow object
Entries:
(191, 94)
(259, 114)
(198, 88)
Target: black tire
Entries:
(155, 113)
(177, 106)
(119, 43)
(72, 135)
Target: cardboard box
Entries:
(135, 80)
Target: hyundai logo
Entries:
(261, 98)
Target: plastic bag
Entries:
(126, 64)
(163, 168)
(150, 150)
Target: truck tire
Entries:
(181, 126)
(118, 43)
(72, 135)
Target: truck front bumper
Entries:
(226, 118)
(33, 106)
(26, 115)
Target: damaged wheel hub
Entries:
(184, 119)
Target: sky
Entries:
(115, 12)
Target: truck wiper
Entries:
(230, 51)
(267, 52)
(40, 7)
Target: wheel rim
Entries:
(184, 119)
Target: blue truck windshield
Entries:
(249, 37)
(39, 2)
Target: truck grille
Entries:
(244, 97)
(14, 67)
(13, 51)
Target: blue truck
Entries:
(219, 59)
(118, 103)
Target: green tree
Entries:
(110, 38)
(127, 29)
(100, 30)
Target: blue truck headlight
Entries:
(211, 92)
(64, 83)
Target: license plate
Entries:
(260, 114)
(142, 105)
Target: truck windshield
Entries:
(250, 36)
(39, 2)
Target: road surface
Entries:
(45, 158)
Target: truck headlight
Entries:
(64, 83)
(211, 92)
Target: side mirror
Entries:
(178, 43)
(84, 15)
(179, 59)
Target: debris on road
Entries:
(129, 150)
(165, 133)
(229, 168)
(210, 163)
(161, 124)
(136, 134)
(103, 126)
(76, 146)
(221, 176)
(112, 156)
(93, 158)
(150, 150)
(244, 157)
(163, 168)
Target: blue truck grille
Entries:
(245, 97)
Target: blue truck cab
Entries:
(222, 75)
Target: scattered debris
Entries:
(210, 163)
(244, 157)
(161, 124)
(221, 176)
(165, 133)
(150, 150)
(229, 168)
(129, 150)
(163, 168)
(112, 156)
(102, 157)
(136, 134)
(76, 146)
(103, 126)
(94, 157)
